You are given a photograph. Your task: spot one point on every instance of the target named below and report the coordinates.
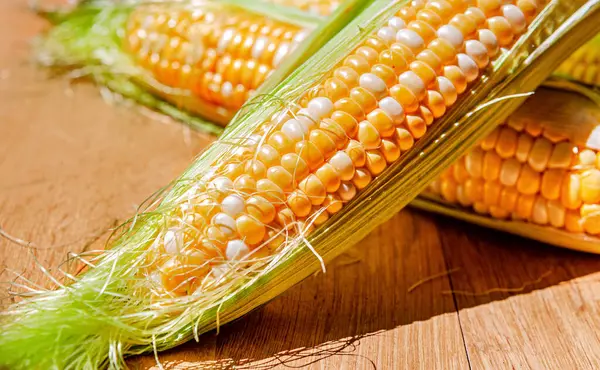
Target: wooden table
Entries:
(71, 166)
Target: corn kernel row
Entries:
(303, 165)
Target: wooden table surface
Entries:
(71, 166)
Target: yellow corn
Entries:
(307, 162)
(212, 59)
(541, 167)
(584, 64)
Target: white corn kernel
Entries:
(320, 107)
(411, 39)
(295, 130)
(468, 66)
(394, 109)
(372, 83)
(343, 165)
(489, 40)
(233, 205)
(451, 34)
(447, 90)
(413, 82)
(236, 250)
(221, 184)
(387, 34)
(515, 17)
(225, 223)
(397, 23)
(478, 52)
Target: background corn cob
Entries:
(197, 63)
(542, 167)
(210, 60)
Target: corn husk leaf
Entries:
(107, 314)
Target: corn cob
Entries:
(243, 223)
(541, 167)
(206, 60)
(216, 57)
(305, 164)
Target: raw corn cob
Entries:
(539, 168)
(215, 57)
(182, 59)
(303, 165)
(340, 145)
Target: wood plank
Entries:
(552, 323)
(356, 316)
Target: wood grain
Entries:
(547, 317)
(71, 165)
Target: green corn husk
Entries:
(87, 42)
(575, 109)
(108, 313)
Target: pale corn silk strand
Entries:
(145, 294)
(537, 175)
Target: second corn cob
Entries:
(179, 58)
(210, 58)
(542, 167)
(584, 64)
